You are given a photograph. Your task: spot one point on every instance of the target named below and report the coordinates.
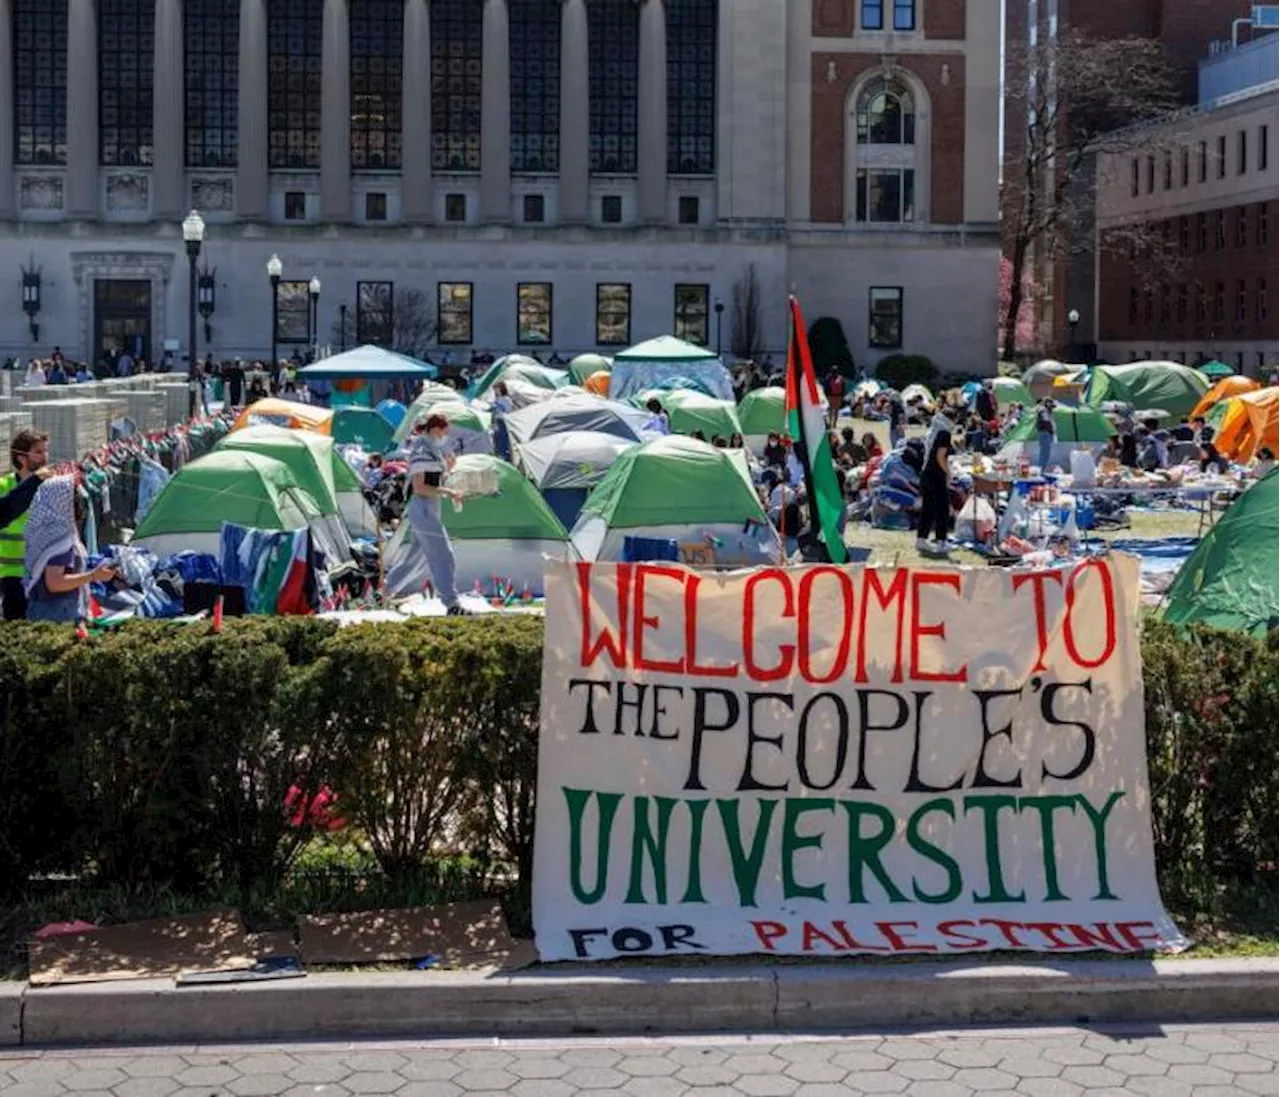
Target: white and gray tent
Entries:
(565, 467)
(577, 413)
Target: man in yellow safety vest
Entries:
(28, 452)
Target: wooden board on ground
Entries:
(143, 950)
(458, 935)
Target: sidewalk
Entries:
(567, 1001)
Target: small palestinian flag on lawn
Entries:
(807, 424)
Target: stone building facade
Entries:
(555, 175)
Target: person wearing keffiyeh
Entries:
(55, 575)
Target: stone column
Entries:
(416, 201)
(252, 180)
(651, 183)
(168, 129)
(495, 116)
(82, 191)
(6, 116)
(575, 114)
(335, 114)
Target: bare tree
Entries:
(745, 339)
(1073, 99)
(403, 321)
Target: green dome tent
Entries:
(363, 427)
(1010, 390)
(500, 536)
(1216, 370)
(690, 411)
(1076, 429)
(1231, 579)
(468, 424)
(584, 365)
(761, 412)
(246, 488)
(317, 467)
(679, 489)
(519, 367)
(1169, 386)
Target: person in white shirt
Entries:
(658, 422)
(35, 374)
(1263, 463)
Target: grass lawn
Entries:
(890, 547)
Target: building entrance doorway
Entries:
(121, 318)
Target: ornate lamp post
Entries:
(193, 234)
(31, 298)
(313, 288)
(275, 268)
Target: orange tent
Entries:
(1235, 385)
(1252, 421)
(598, 383)
(286, 413)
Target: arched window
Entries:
(886, 114)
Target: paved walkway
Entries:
(1222, 1060)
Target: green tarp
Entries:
(674, 481)
(316, 466)
(584, 365)
(371, 363)
(1010, 390)
(229, 486)
(516, 513)
(461, 417)
(1071, 425)
(1169, 386)
(1231, 579)
(763, 411)
(665, 348)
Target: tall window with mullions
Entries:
(457, 51)
(535, 86)
(613, 30)
(40, 81)
(126, 42)
(295, 42)
(691, 87)
(377, 60)
(212, 40)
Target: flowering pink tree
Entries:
(1024, 333)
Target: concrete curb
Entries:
(635, 1002)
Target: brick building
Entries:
(1210, 189)
(560, 175)
(1185, 29)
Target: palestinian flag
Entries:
(806, 423)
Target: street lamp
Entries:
(719, 313)
(1073, 320)
(275, 268)
(193, 234)
(31, 297)
(206, 298)
(342, 327)
(313, 288)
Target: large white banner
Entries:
(840, 761)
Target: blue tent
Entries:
(369, 363)
(392, 411)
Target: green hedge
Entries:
(162, 755)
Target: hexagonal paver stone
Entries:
(430, 1089)
(261, 1085)
(595, 1078)
(42, 1070)
(1213, 1041)
(479, 1059)
(542, 1087)
(321, 1090)
(36, 1089)
(199, 1077)
(858, 1063)
(152, 1066)
(904, 1049)
(693, 1055)
(710, 1074)
(374, 1062)
(1263, 1084)
(273, 1062)
(924, 1070)
(1049, 1087)
(485, 1079)
(971, 1055)
(1200, 1074)
(1172, 1052)
(146, 1087)
(652, 1085)
(1158, 1087)
(320, 1070)
(590, 1057)
(822, 1089)
(984, 1079)
(880, 1082)
(1074, 1055)
(1242, 1063)
(373, 1081)
(1140, 1065)
(648, 1066)
(755, 1064)
(766, 1085)
(815, 1070)
(538, 1067)
(429, 1069)
(83, 1080)
(1094, 1077)
(806, 1051)
(937, 1087)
